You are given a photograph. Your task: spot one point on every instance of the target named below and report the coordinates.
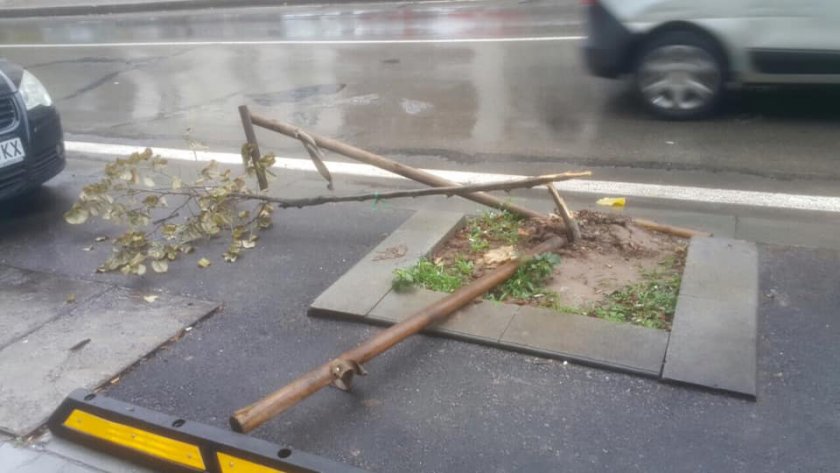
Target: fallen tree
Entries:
(135, 193)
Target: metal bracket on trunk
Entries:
(343, 371)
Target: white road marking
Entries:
(595, 187)
(290, 42)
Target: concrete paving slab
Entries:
(19, 459)
(722, 269)
(30, 299)
(93, 458)
(361, 288)
(714, 344)
(714, 334)
(814, 232)
(121, 328)
(483, 321)
(13, 458)
(587, 340)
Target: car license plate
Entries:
(11, 152)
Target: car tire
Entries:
(680, 75)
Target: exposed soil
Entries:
(613, 253)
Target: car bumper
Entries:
(608, 47)
(42, 138)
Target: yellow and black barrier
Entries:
(169, 444)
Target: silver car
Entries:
(683, 54)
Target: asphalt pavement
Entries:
(439, 405)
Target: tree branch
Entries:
(447, 191)
(284, 203)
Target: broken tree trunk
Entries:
(572, 228)
(669, 229)
(382, 162)
(341, 370)
(253, 146)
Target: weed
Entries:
(552, 301)
(649, 303)
(527, 283)
(464, 267)
(493, 226)
(477, 241)
(432, 276)
(529, 280)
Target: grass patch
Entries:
(489, 227)
(435, 277)
(526, 285)
(650, 303)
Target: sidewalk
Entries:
(33, 8)
(52, 455)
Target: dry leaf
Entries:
(101, 238)
(87, 248)
(71, 298)
(204, 263)
(499, 255)
(150, 298)
(160, 266)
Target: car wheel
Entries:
(680, 75)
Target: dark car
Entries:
(31, 139)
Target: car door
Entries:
(794, 41)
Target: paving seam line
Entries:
(62, 312)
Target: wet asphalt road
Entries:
(435, 405)
(512, 107)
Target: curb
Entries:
(154, 6)
(713, 343)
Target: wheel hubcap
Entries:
(679, 77)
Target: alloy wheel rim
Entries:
(679, 78)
